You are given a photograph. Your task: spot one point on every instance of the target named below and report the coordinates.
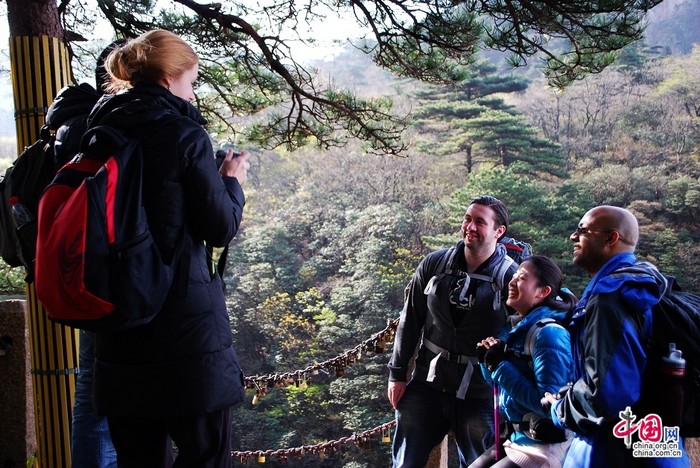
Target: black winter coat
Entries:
(182, 364)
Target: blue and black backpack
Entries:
(675, 320)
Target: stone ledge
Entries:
(18, 439)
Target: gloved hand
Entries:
(480, 352)
(495, 354)
(546, 402)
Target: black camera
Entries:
(221, 153)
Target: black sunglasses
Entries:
(582, 231)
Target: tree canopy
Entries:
(248, 61)
(330, 238)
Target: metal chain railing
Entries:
(362, 440)
(376, 343)
(335, 366)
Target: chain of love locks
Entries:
(362, 440)
(335, 366)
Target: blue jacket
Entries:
(608, 330)
(431, 316)
(182, 364)
(521, 382)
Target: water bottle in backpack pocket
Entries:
(671, 404)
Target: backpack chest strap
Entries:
(440, 352)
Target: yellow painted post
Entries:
(40, 67)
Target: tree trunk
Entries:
(40, 67)
(469, 159)
(33, 18)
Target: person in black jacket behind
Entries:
(175, 379)
(91, 444)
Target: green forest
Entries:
(331, 237)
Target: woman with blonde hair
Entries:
(174, 380)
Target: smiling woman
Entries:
(527, 359)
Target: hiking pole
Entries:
(496, 424)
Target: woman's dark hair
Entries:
(549, 274)
(101, 75)
(498, 207)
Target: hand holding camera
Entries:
(233, 162)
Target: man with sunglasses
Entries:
(453, 302)
(608, 332)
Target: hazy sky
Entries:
(324, 32)
(5, 87)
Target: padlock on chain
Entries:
(258, 394)
(386, 435)
(379, 346)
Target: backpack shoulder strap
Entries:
(445, 264)
(500, 274)
(532, 333)
(441, 270)
(497, 280)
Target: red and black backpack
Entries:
(97, 266)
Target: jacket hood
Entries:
(69, 102)
(140, 105)
(648, 283)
